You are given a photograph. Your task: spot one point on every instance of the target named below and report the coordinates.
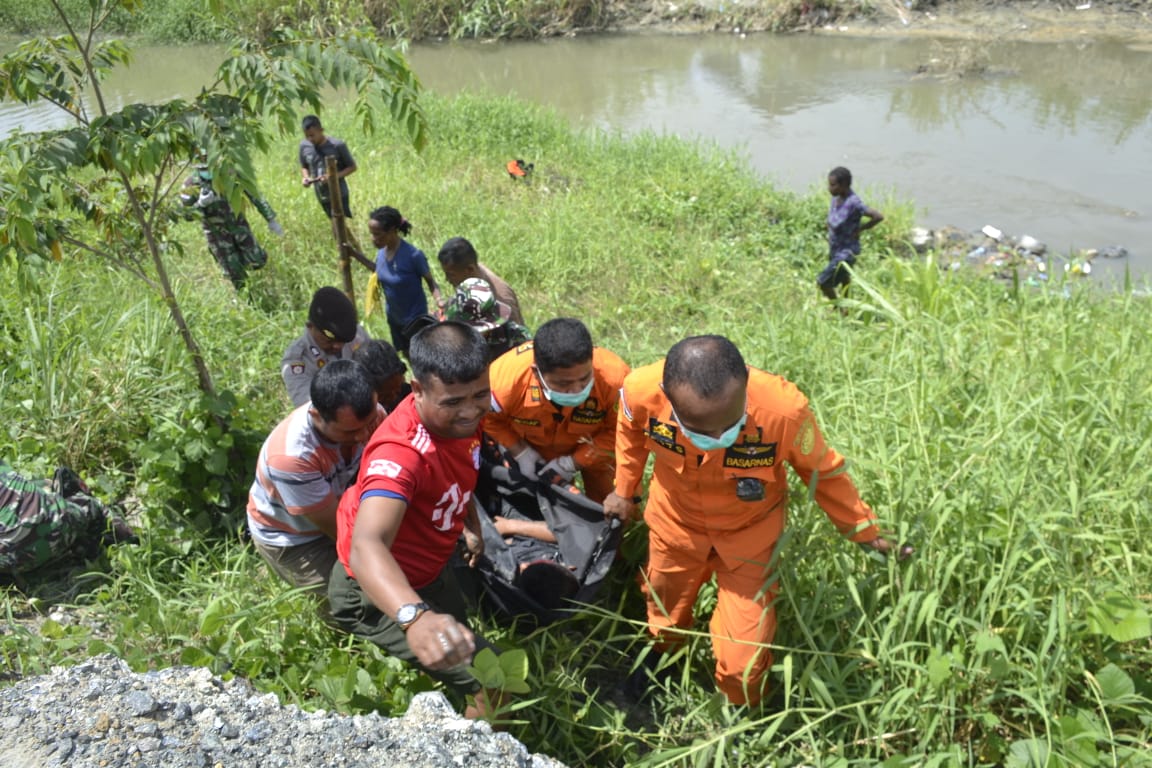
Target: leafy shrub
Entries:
(197, 463)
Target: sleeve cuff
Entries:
(626, 492)
(865, 535)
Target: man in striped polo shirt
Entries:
(304, 467)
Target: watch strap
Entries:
(421, 609)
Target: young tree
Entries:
(105, 185)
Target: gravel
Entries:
(100, 713)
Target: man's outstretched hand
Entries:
(887, 548)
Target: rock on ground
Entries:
(100, 713)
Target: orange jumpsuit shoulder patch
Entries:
(806, 438)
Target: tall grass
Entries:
(174, 21)
(183, 21)
(1003, 431)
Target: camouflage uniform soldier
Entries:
(40, 526)
(230, 239)
(475, 304)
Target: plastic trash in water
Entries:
(1030, 244)
(1109, 252)
(992, 232)
(921, 238)
(976, 253)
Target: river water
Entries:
(1053, 140)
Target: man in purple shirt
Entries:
(845, 224)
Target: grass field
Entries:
(1005, 432)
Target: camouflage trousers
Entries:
(233, 246)
(39, 526)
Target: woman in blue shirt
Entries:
(400, 266)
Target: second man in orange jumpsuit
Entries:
(554, 405)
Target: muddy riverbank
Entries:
(1032, 20)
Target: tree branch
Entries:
(86, 51)
(128, 266)
(78, 113)
(157, 183)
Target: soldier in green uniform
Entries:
(230, 239)
(41, 525)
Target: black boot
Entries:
(67, 483)
(120, 532)
(116, 529)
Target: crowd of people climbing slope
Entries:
(366, 493)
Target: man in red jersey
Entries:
(398, 526)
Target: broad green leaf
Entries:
(213, 617)
(1115, 685)
(25, 233)
(999, 668)
(516, 686)
(195, 657)
(515, 663)
(486, 669)
(365, 686)
(1028, 753)
(52, 629)
(987, 641)
(1079, 740)
(332, 689)
(1120, 617)
(939, 668)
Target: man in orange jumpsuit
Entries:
(554, 400)
(721, 433)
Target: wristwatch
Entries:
(407, 614)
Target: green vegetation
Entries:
(185, 21)
(1003, 431)
(108, 184)
(177, 21)
(194, 21)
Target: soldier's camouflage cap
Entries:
(475, 304)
